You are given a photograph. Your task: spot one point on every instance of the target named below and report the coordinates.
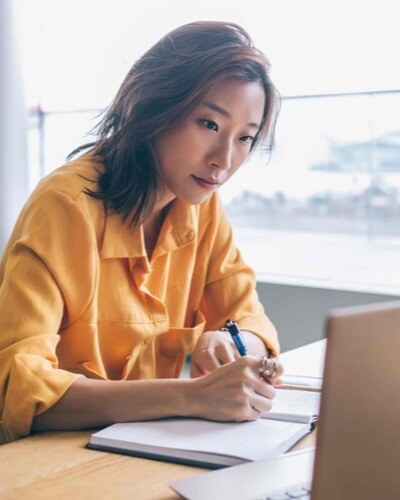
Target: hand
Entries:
(213, 349)
(233, 392)
(272, 364)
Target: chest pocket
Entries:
(179, 341)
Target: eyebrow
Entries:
(225, 113)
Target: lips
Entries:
(212, 182)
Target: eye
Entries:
(210, 124)
(247, 138)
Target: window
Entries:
(325, 208)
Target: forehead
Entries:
(242, 100)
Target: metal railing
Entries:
(41, 114)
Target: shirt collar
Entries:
(179, 229)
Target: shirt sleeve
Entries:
(230, 286)
(45, 284)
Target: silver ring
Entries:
(268, 367)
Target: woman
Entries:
(122, 261)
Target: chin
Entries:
(195, 199)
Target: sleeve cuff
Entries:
(34, 387)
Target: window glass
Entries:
(325, 207)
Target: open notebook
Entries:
(295, 406)
(215, 444)
(200, 442)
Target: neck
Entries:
(159, 211)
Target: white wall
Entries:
(13, 119)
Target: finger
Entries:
(261, 403)
(196, 370)
(273, 380)
(252, 362)
(255, 363)
(253, 414)
(208, 361)
(272, 364)
(264, 389)
(234, 350)
(224, 353)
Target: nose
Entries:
(222, 156)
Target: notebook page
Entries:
(247, 440)
(295, 403)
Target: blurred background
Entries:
(319, 219)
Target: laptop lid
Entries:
(358, 441)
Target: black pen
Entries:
(233, 329)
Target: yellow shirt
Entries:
(79, 297)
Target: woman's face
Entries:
(207, 148)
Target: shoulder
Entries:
(67, 185)
(59, 203)
(72, 179)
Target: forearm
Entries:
(94, 403)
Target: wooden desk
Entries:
(57, 465)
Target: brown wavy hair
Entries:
(162, 88)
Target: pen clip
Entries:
(234, 330)
(232, 327)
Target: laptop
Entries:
(358, 434)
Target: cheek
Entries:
(180, 148)
(239, 159)
(167, 154)
(191, 143)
